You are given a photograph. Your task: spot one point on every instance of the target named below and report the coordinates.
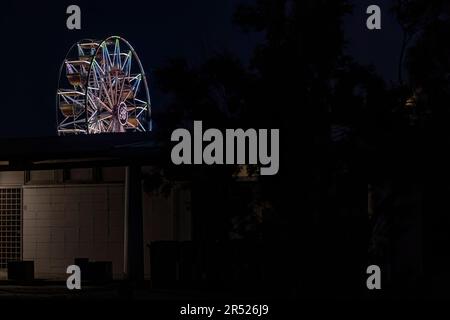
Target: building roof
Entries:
(115, 149)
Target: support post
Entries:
(134, 228)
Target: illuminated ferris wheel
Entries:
(102, 88)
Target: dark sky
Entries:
(35, 40)
(380, 48)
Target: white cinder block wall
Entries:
(61, 223)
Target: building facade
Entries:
(52, 217)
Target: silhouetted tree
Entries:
(301, 82)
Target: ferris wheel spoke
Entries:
(111, 126)
(91, 101)
(70, 92)
(106, 57)
(104, 105)
(96, 75)
(141, 126)
(141, 112)
(97, 127)
(126, 66)
(105, 117)
(80, 50)
(106, 93)
(141, 101)
(71, 123)
(118, 89)
(64, 121)
(70, 99)
(117, 58)
(98, 68)
(111, 87)
(92, 116)
(113, 90)
(119, 97)
(137, 83)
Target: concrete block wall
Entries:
(61, 223)
(11, 178)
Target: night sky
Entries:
(380, 48)
(35, 40)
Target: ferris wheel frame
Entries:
(104, 94)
